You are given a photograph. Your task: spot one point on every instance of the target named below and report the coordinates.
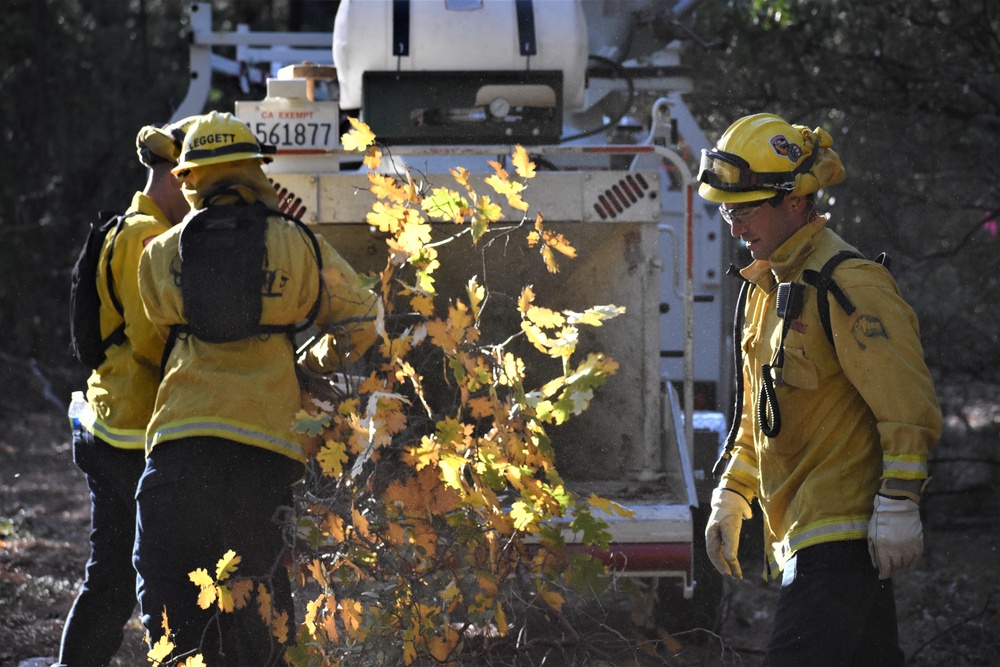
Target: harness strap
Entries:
(738, 318)
(767, 402)
(182, 330)
(823, 281)
(116, 337)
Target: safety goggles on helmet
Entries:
(731, 173)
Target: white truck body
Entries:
(644, 240)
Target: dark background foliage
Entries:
(909, 89)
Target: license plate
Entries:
(293, 128)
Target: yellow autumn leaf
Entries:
(315, 568)
(501, 173)
(545, 318)
(513, 370)
(523, 165)
(225, 599)
(476, 293)
(451, 467)
(333, 526)
(226, 565)
(536, 337)
(160, 650)
(510, 189)
(264, 603)
(461, 175)
(444, 335)
(526, 299)
(163, 621)
(480, 407)
(313, 608)
(373, 157)
(441, 647)
(522, 515)
(385, 187)
(360, 523)
(423, 304)
(331, 458)
(514, 201)
(359, 137)
(488, 209)
(207, 596)
(559, 243)
(550, 260)
(279, 627)
(422, 455)
(479, 226)
(409, 652)
(553, 598)
(414, 233)
(193, 661)
(388, 218)
(200, 578)
(500, 618)
(350, 613)
(330, 619)
(488, 584)
(609, 506)
(594, 316)
(445, 204)
(452, 433)
(241, 593)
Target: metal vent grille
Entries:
(620, 196)
(288, 202)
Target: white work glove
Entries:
(722, 534)
(895, 535)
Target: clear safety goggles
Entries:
(731, 173)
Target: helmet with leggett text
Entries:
(219, 137)
(156, 145)
(763, 157)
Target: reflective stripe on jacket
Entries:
(122, 391)
(850, 415)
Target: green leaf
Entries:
(311, 425)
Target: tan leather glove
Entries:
(895, 535)
(722, 534)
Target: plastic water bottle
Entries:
(77, 407)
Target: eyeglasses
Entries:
(739, 214)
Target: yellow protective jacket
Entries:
(851, 414)
(247, 390)
(122, 391)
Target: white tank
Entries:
(466, 35)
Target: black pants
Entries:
(197, 499)
(94, 628)
(834, 611)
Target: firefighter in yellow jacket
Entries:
(222, 456)
(110, 445)
(837, 412)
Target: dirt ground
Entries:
(949, 608)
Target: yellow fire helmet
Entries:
(219, 137)
(763, 156)
(162, 144)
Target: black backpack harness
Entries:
(789, 306)
(223, 259)
(88, 346)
